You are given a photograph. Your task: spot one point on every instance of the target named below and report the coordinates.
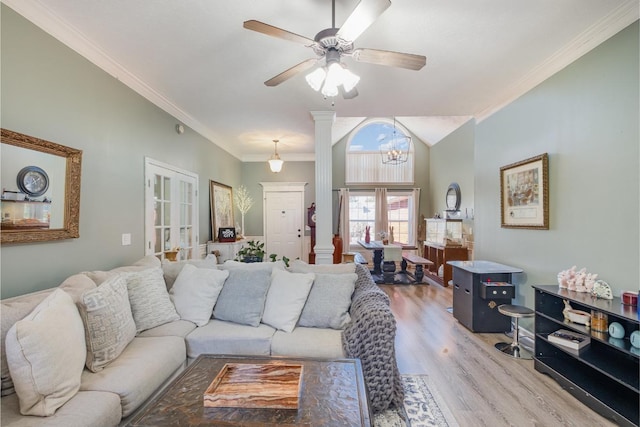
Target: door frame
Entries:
(284, 187)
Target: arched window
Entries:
(366, 148)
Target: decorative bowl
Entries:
(579, 316)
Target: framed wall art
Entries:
(221, 197)
(524, 193)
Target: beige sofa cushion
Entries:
(308, 342)
(218, 337)
(87, 408)
(142, 264)
(46, 354)
(172, 269)
(179, 328)
(298, 266)
(108, 322)
(139, 371)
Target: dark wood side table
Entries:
(333, 393)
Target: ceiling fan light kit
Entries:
(333, 43)
(275, 162)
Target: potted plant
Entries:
(252, 251)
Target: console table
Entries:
(479, 287)
(604, 375)
(227, 250)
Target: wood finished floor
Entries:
(481, 386)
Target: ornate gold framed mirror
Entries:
(31, 212)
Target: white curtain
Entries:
(343, 218)
(382, 217)
(415, 215)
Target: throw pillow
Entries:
(298, 266)
(242, 297)
(142, 264)
(46, 354)
(108, 322)
(286, 297)
(329, 301)
(171, 269)
(149, 299)
(196, 291)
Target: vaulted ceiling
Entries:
(194, 59)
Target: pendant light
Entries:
(275, 162)
(395, 150)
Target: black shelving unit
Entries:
(605, 375)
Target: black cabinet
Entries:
(479, 287)
(605, 375)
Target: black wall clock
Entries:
(33, 181)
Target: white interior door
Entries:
(284, 223)
(171, 210)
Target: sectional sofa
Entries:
(91, 351)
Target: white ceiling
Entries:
(194, 59)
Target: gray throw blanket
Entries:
(370, 337)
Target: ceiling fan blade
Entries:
(272, 31)
(389, 58)
(365, 13)
(348, 95)
(287, 74)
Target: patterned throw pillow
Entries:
(149, 299)
(108, 322)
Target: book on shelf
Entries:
(569, 339)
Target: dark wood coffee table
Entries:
(333, 394)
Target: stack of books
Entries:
(569, 339)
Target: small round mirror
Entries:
(453, 197)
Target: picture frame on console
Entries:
(221, 197)
(524, 193)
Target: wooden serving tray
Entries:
(242, 385)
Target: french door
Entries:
(171, 211)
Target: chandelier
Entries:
(275, 162)
(395, 149)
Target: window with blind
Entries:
(363, 159)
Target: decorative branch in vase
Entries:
(243, 202)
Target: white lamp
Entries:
(275, 162)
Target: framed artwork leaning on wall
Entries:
(221, 197)
(524, 193)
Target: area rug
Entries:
(422, 407)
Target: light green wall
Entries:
(255, 173)
(452, 161)
(50, 92)
(586, 118)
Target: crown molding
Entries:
(44, 18)
(620, 18)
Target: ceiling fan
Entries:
(333, 43)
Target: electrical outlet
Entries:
(126, 239)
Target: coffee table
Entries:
(333, 393)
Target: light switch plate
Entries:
(126, 239)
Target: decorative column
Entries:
(324, 216)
